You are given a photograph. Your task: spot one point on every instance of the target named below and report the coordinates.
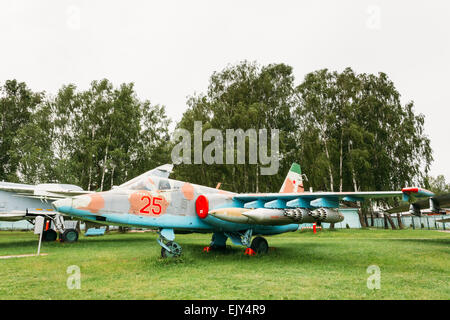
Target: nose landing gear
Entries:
(169, 248)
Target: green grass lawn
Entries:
(414, 264)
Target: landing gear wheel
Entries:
(260, 245)
(175, 250)
(69, 235)
(49, 235)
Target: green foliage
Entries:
(355, 134)
(348, 131)
(32, 147)
(108, 133)
(93, 138)
(243, 96)
(437, 185)
(17, 105)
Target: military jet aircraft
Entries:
(26, 202)
(152, 200)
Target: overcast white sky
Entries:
(169, 49)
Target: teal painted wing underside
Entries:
(317, 195)
(320, 199)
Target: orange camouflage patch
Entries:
(301, 188)
(164, 203)
(138, 201)
(143, 202)
(188, 191)
(288, 186)
(96, 204)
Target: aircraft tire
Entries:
(69, 235)
(174, 246)
(260, 245)
(49, 235)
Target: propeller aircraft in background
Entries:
(26, 202)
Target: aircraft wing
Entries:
(48, 191)
(322, 199)
(435, 202)
(17, 187)
(21, 215)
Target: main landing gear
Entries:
(257, 246)
(218, 243)
(65, 235)
(69, 235)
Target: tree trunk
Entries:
(399, 220)
(112, 176)
(388, 217)
(330, 172)
(257, 178)
(361, 218)
(104, 169)
(365, 220)
(355, 185)
(90, 178)
(104, 161)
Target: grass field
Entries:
(414, 264)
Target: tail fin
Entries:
(294, 181)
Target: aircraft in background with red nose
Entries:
(152, 200)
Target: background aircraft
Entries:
(26, 202)
(153, 201)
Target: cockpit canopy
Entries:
(155, 179)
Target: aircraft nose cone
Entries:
(61, 204)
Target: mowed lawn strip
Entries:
(413, 264)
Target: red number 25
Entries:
(153, 204)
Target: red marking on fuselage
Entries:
(144, 203)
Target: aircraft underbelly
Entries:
(171, 221)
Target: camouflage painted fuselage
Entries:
(160, 203)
